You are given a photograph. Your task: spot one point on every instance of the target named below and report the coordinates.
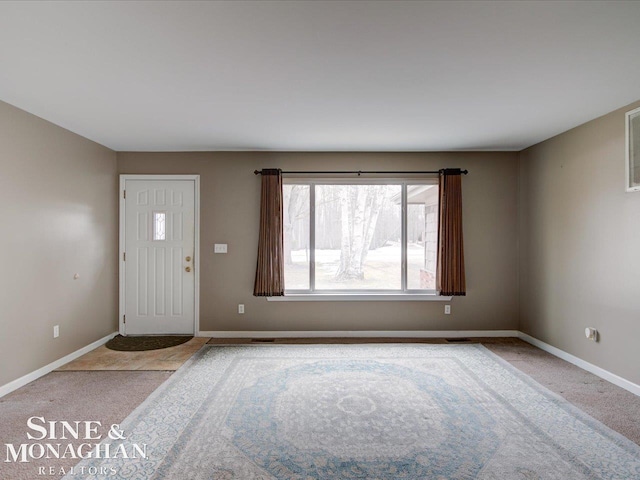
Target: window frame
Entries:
(334, 294)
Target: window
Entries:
(159, 225)
(360, 236)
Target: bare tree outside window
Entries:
(363, 249)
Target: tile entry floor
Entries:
(103, 358)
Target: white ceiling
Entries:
(350, 76)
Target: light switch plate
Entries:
(220, 248)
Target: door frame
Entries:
(196, 245)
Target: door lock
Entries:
(188, 259)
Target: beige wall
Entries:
(58, 205)
(579, 235)
(230, 214)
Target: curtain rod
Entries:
(369, 172)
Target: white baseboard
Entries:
(360, 334)
(30, 377)
(589, 367)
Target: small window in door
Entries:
(159, 225)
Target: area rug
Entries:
(360, 412)
(147, 342)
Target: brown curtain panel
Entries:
(450, 274)
(270, 269)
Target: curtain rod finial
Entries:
(257, 172)
(453, 171)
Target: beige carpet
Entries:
(616, 407)
(109, 396)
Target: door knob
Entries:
(188, 259)
(188, 269)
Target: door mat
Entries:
(141, 343)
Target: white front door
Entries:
(158, 260)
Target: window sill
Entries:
(365, 297)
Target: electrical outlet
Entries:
(447, 309)
(241, 308)
(56, 331)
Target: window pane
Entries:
(358, 237)
(159, 225)
(296, 236)
(422, 236)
